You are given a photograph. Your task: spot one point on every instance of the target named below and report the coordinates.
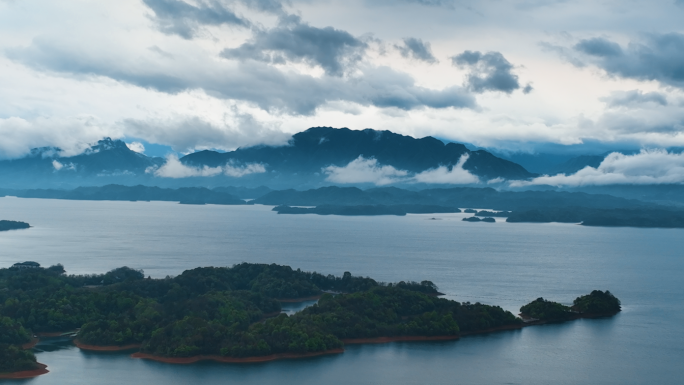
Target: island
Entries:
(477, 219)
(595, 304)
(13, 225)
(233, 314)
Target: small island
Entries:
(233, 314)
(596, 304)
(13, 225)
(477, 219)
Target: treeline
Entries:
(122, 307)
(234, 311)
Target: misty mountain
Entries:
(575, 164)
(319, 147)
(107, 160)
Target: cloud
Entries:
(646, 167)
(634, 98)
(259, 83)
(71, 136)
(442, 174)
(235, 171)
(488, 72)
(173, 168)
(188, 133)
(657, 57)
(332, 49)
(184, 19)
(649, 114)
(362, 170)
(59, 166)
(136, 146)
(417, 49)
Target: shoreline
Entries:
(348, 341)
(25, 373)
(233, 360)
(110, 348)
(31, 344)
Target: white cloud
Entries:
(136, 146)
(72, 135)
(59, 166)
(173, 168)
(646, 167)
(442, 175)
(362, 170)
(239, 171)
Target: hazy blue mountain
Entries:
(318, 147)
(106, 161)
(575, 164)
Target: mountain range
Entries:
(302, 163)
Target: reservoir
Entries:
(494, 263)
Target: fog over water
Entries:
(502, 263)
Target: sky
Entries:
(518, 75)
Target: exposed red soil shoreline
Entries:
(302, 299)
(97, 348)
(29, 345)
(246, 360)
(349, 341)
(26, 373)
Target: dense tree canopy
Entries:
(235, 311)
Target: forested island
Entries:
(596, 303)
(230, 314)
(13, 225)
(627, 217)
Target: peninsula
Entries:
(231, 314)
(13, 225)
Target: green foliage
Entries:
(223, 310)
(546, 310)
(597, 302)
(15, 359)
(12, 332)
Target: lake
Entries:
(502, 263)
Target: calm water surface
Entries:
(502, 264)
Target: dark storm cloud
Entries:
(635, 98)
(417, 49)
(254, 82)
(657, 57)
(293, 41)
(488, 72)
(184, 19)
